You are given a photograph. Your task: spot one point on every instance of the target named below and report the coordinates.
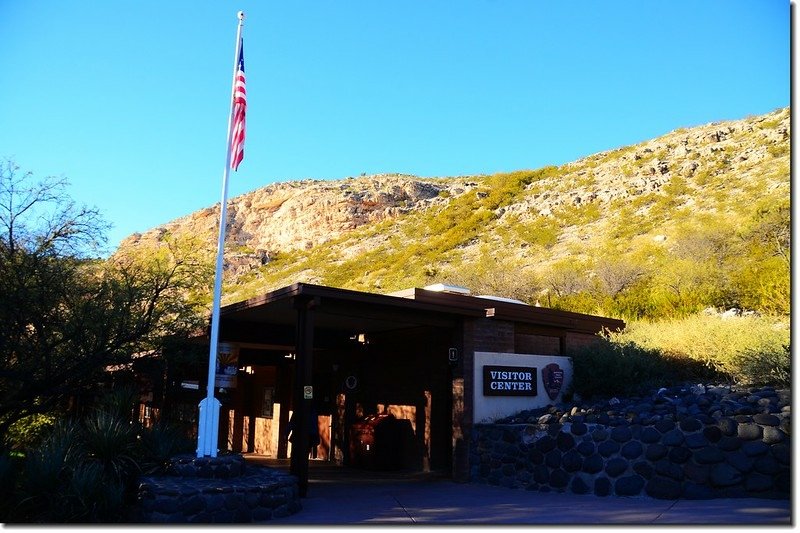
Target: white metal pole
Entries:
(208, 426)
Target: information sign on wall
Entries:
(268, 402)
(509, 380)
(553, 379)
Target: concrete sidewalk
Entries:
(337, 496)
(446, 502)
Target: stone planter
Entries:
(219, 490)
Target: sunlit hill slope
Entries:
(695, 218)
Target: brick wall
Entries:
(576, 341)
(492, 336)
(537, 344)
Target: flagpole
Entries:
(208, 426)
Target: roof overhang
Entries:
(344, 309)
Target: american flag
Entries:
(239, 107)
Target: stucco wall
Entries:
(488, 408)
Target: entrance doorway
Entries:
(390, 391)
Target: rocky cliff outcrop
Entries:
(302, 214)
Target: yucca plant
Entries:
(92, 497)
(40, 496)
(110, 442)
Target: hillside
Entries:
(690, 218)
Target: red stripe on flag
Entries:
(239, 108)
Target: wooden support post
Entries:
(303, 397)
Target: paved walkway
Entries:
(338, 496)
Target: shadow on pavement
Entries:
(340, 495)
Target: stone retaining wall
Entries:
(220, 490)
(672, 454)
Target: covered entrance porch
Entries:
(371, 375)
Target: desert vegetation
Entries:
(708, 347)
(70, 443)
(84, 469)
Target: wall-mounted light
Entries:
(289, 356)
(360, 337)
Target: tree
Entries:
(566, 277)
(66, 316)
(495, 275)
(617, 275)
(771, 228)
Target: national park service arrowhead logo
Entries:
(553, 378)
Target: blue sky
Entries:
(130, 100)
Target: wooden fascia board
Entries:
(346, 296)
(584, 324)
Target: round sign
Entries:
(351, 382)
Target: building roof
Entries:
(363, 311)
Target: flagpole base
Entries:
(208, 428)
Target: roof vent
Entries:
(451, 289)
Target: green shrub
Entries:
(747, 350)
(765, 366)
(723, 344)
(578, 215)
(541, 231)
(778, 150)
(27, 432)
(619, 367)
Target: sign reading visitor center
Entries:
(509, 380)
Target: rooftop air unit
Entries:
(451, 289)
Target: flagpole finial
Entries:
(240, 14)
